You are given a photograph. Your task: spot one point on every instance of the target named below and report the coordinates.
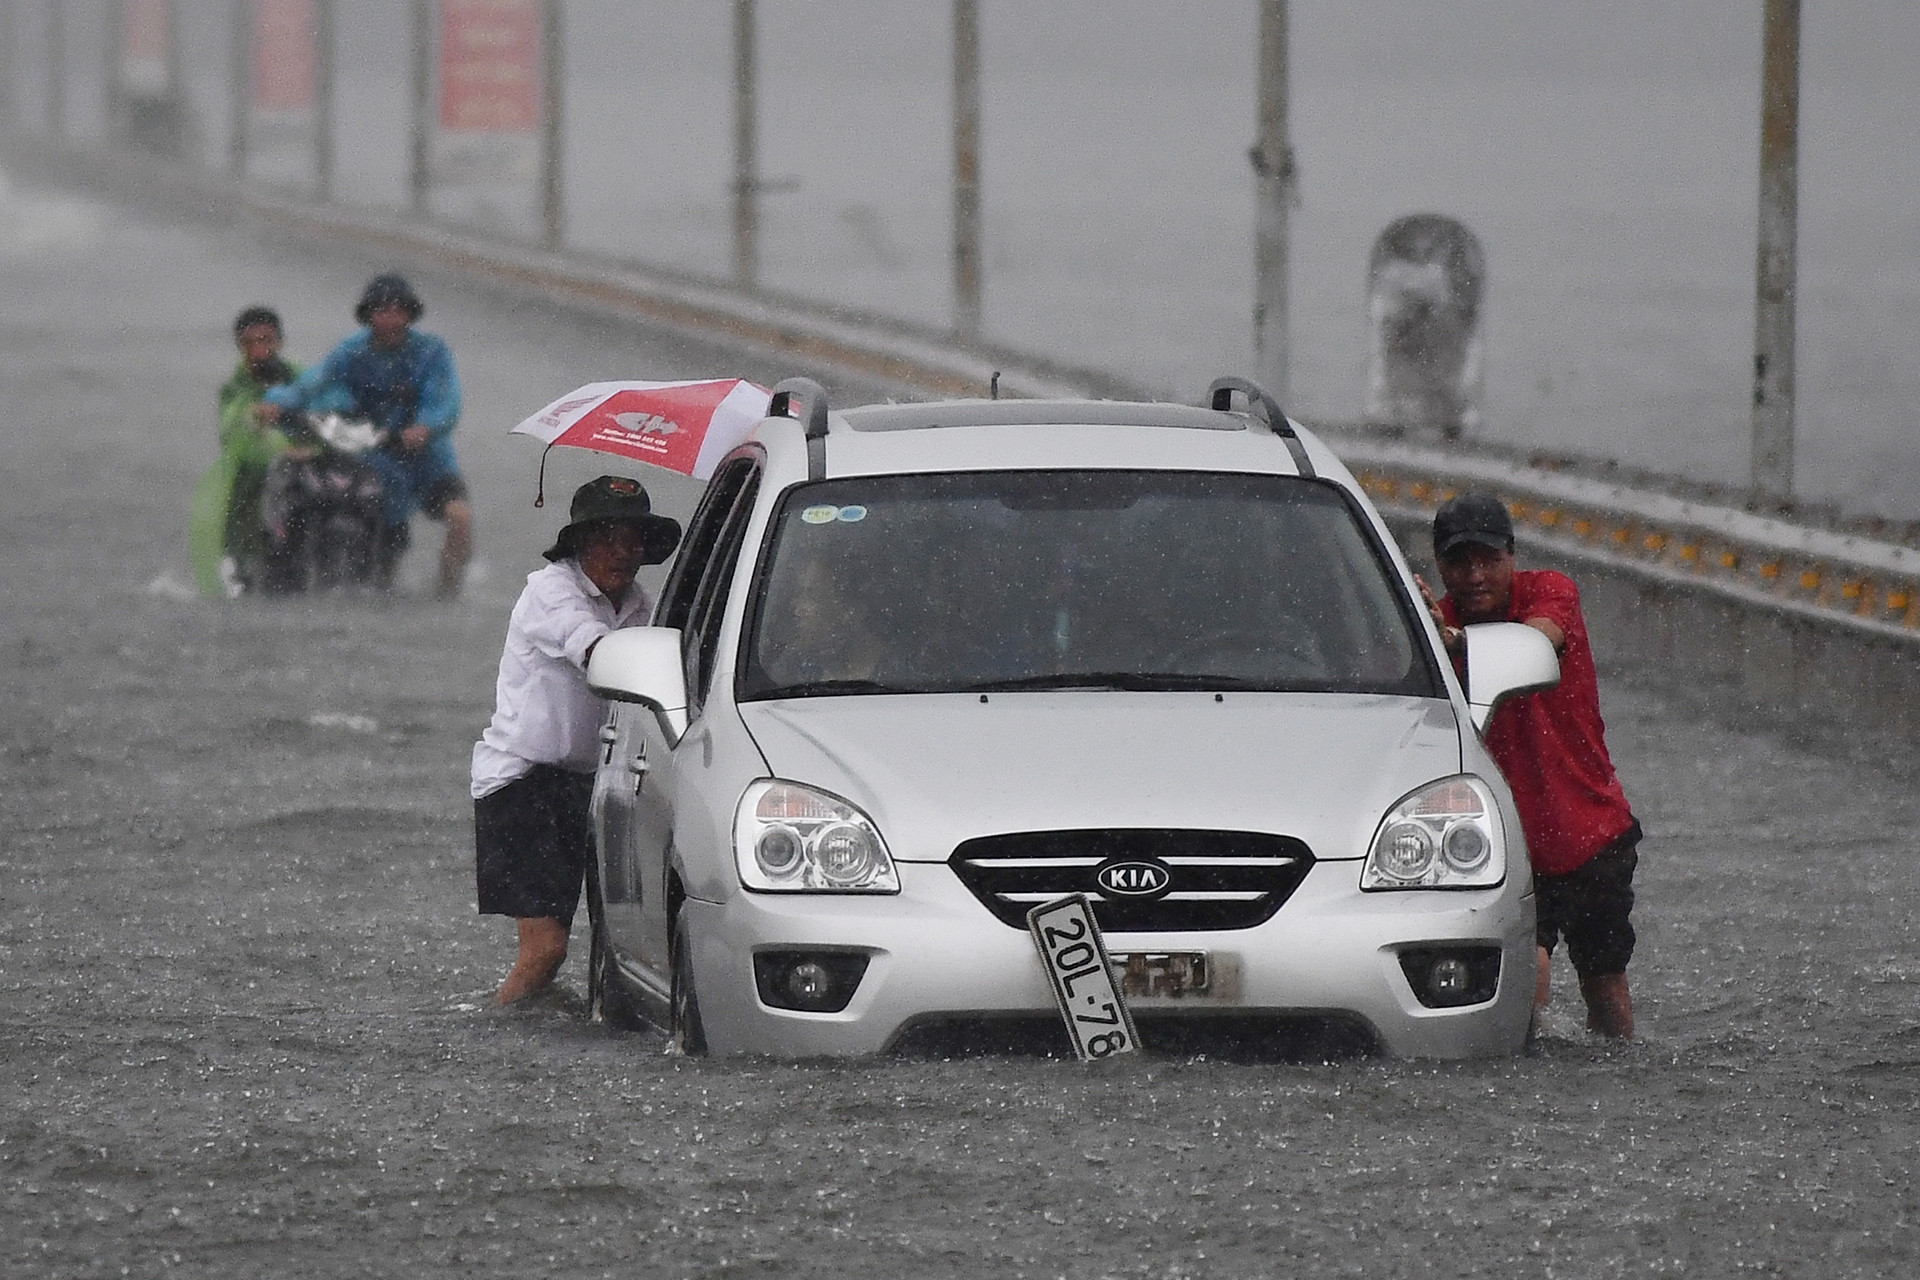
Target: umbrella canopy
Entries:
(682, 426)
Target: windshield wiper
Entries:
(822, 688)
(1128, 681)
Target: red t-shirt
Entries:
(1551, 745)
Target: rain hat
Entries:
(1472, 517)
(385, 288)
(610, 498)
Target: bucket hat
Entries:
(1472, 517)
(386, 288)
(611, 498)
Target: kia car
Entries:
(920, 668)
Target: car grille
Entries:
(1214, 879)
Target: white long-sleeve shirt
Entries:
(544, 713)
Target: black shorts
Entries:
(1591, 905)
(531, 842)
(439, 492)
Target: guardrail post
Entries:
(1773, 390)
(746, 159)
(966, 169)
(1273, 166)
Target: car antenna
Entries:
(993, 385)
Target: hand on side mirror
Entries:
(1505, 659)
(642, 664)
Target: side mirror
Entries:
(642, 664)
(1504, 659)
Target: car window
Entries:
(702, 642)
(1065, 579)
(697, 547)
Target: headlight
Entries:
(1446, 835)
(790, 838)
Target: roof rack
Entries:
(812, 398)
(1220, 399)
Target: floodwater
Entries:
(243, 1027)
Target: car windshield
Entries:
(1153, 580)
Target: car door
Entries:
(616, 783)
(694, 601)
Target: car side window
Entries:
(709, 605)
(697, 548)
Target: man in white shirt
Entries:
(533, 767)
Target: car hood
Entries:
(935, 769)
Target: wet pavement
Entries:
(243, 1018)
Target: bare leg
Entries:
(1609, 1007)
(1542, 981)
(543, 948)
(458, 546)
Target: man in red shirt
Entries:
(1551, 746)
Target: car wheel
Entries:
(689, 1034)
(607, 998)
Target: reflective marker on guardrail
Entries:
(1857, 582)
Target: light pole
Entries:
(1273, 175)
(1775, 261)
(746, 158)
(966, 169)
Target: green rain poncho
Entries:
(226, 503)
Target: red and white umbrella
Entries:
(682, 426)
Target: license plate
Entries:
(1077, 966)
(1149, 975)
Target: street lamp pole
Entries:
(1773, 390)
(1274, 174)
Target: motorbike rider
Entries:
(227, 539)
(403, 381)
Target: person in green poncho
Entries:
(229, 544)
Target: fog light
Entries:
(1448, 980)
(808, 981)
(1449, 977)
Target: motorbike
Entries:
(322, 507)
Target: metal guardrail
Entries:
(1856, 583)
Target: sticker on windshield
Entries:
(821, 515)
(852, 514)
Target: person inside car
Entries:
(532, 778)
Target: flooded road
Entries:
(243, 1019)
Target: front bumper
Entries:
(937, 952)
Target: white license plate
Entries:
(1076, 962)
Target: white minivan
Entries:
(921, 667)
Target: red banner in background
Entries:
(146, 63)
(285, 60)
(490, 65)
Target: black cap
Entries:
(611, 498)
(386, 288)
(1472, 517)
